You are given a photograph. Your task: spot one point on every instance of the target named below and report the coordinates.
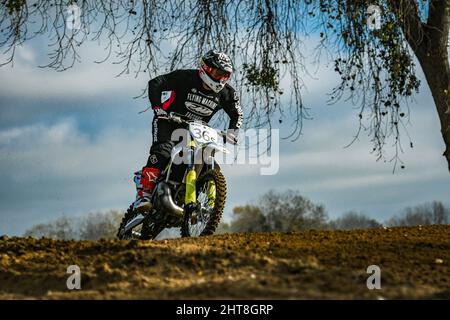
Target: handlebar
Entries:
(181, 119)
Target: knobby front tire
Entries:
(219, 203)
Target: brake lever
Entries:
(175, 118)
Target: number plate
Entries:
(202, 133)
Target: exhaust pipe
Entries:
(166, 202)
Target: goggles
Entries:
(216, 74)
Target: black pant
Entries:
(162, 146)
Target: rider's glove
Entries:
(159, 112)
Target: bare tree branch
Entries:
(264, 37)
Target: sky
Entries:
(70, 142)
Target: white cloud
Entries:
(62, 150)
(85, 79)
(56, 168)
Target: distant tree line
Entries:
(93, 226)
(274, 212)
(290, 211)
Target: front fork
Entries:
(190, 200)
(191, 178)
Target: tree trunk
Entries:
(436, 70)
(433, 57)
(429, 42)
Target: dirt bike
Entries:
(191, 195)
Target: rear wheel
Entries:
(211, 196)
(147, 230)
(150, 230)
(130, 214)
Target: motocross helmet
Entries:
(215, 70)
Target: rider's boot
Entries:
(145, 183)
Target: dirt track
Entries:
(414, 263)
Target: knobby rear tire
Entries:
(128, 215)
(148, 231)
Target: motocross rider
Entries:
(197, 94)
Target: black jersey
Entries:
(182, 91)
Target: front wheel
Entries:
(211, 195)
